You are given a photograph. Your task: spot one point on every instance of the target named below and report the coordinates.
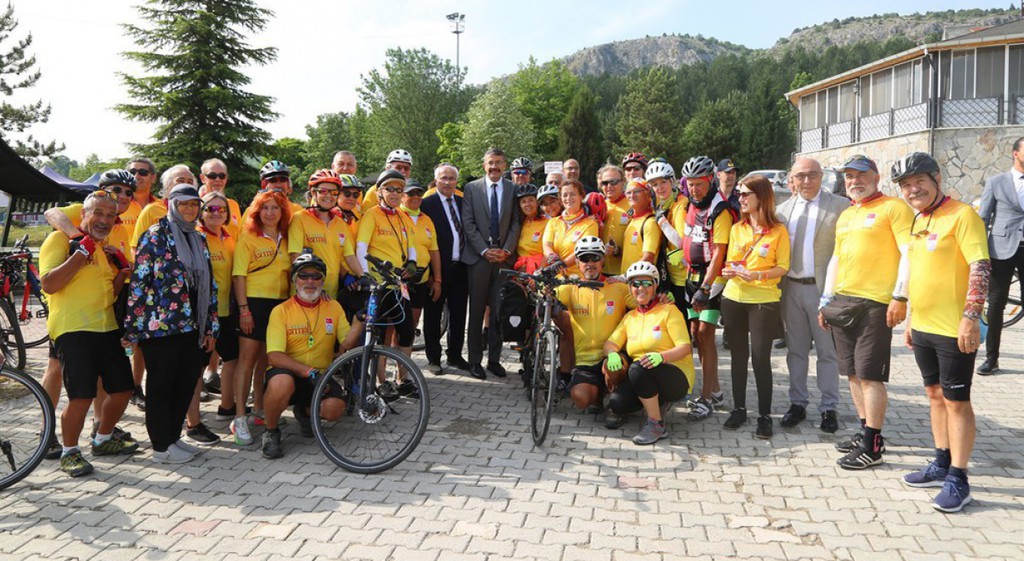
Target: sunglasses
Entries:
(520, 172)
(744, 194)
(216, 175)
(414, 194)
(392, 190)
(331, 192)
(589, 258)
(117, 190)
(311, 276)
(277, 179)
(634, 168)
(140, 171)
(350, 194)
(610, 182)
(641, 283)
(216, 209)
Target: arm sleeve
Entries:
(903, 273)
(361, 250)
(670, 232)
(831, 274)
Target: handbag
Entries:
(845, 311)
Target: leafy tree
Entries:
(415, 94)
(291, 151)
(194, 54)
(580, 135)
(450, 149)
(62, 165)
(544, 93)
(92, 165)
(647, 116)
(715, 129)
(330, 134)
(495, 120)
(17, 73)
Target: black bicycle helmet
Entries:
(390, 175)
(913, 164)
(528, 190)
(117, 177)
(307, 260)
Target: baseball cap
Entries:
(726, 165)
(860, 162)
(413, 185)
(184, 192)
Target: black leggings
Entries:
(173, 366)
(666, 381)
(761, 323)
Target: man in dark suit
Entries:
(1002, 210)
(491, 226)
(445, 209)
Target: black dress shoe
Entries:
(989, 367)
(459, 363)
(497, 369)
(478, 372)
(780, 343)
(829, 421)
(793, 417)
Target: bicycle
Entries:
(19, 282)
(388, 401)
(1014, 311)
(540, 354)
(27, 423)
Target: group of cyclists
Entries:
(678, 256)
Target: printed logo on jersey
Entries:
(329, 326)
(869, 220)
(609, 307)
(656, 332)
(763, 251)
(932, 242)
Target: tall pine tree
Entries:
(192, 53)
(579, 135)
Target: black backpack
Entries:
(516, 317)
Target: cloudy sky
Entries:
(78, 44)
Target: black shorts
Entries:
(303, 394)
(941, 362)
(52, 350)
(864, 350)
(589, 374)
(352, 301)
(419, 294)
(396, 311)
(260, 309)
(227, 341)
(86, 357)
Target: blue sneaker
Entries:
(954, 495)
(931, 476)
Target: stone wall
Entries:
(884, 152)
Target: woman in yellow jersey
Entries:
(213, 225)
(549, 200)
(562, 233)
(758, 258)
(259, 274)
(530, 250)
(642, 238)
(352, 296)
(656, 342)
(428, 256)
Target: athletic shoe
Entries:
(700, 409)
(593, 409)
(434, 368)
(651, 432)
(225, 414)
(852, 443)
(859, 458)
(138, 398)
(118, 432)
(256, 418)
(764, 427)
(75, 465)
(240, 428)
(181, 444)
(736, 419)
(55, 449)
(956, 493)
(388, 390)
(202, 435)
(205, 397)
(717, 399)
(114, 446)
(305, 426)
(213, 384)
(613, 420)
(930, 476)
(173, 455)
(272, 444)
(409, 389)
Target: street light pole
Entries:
(458, 22)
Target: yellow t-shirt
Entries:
(386, 236)
(676, 216)
(131, 216)
(234, 222)
(254, 252)
(119, 235)
(868, 240)
(594, 315)
(531, 237)
(563, 236)
(622, 204)
(87, 302)
(760, 253)
(661, 328)
(642, 235)
(370, 199)
(940, 265)
(330, 242)
(614, 230)
(424, 239)
(294, 324)
(222, 251)
(150, 215)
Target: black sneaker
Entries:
(388, 390)
(850, 444)
(764, 427)
(860, 458)
(305, 425)
(408, 389)
(613, 420)
(55, 449)
(272, 444)
(229, 414)
(213, 386)
(202, 435)
(138, 398)
(118, 432)
(736, 419)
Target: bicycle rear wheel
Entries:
(31, 316)
(543, 385)
(27, 423)
(10, 332)
(1014, 312)
(380, 429)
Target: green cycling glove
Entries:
(614, 362)
(655, 359)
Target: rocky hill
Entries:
(673, 51)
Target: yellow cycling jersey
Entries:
(757, 251)
(531, 237)
(222, 251)
(868, 240)
(613, 233)
(657, 330)
(308, 333)
(642, 235)
(563, 236)
(424, 239)
(386, 234)
(264, 263)
(149, 216)
(86, 303)
(119, 235)
(331, 242)
(594, 313)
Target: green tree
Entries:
(647, 116)
(416, 93)
(62, 165)
(291, 151)
(195, 58)
(544, 93)
(93, 164)
(495, 120)
(17, 73)
(580, 135)
(715, 129)
(450, 149)
(329, 134)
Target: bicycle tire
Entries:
(10, 332)
(1014, 311)
(543, 385)
(32, 318)
(377, 437)
(24, 434)
(421, 343)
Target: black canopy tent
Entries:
(29, 187)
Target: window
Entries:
(1016, 70)
(847, 102)
(807, 112)
(865, 96)
(991, 68)
(961, 75)
(881, 91)
(822, 106)
(910, 87)
(833, 105)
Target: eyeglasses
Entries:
(311, 276)
(806, 176)
(277, 179)
(216, 175)
(391, 190)
(610, 182)
(634, 168)
(99, 194)
(332, 192)
(143, 172)
(589, 258)
(117, 190)
(924, 232)
(641, 283)
(744, 194)
(414, 194)
(216, 209)
(351, 194)
(520, 172)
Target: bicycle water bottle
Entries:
(129, 351)
(371, 308)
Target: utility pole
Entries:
(458, 22)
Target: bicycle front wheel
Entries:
(31, 313)
(27, 423)
(10, 332)
(383, 422)
(543, 385)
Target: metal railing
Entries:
(978, 112)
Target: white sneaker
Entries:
(173, 455)
(240, 428)
(188, 448)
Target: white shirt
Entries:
(451, 222)
(1018, 183)
(808, 248)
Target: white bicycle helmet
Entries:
(589, 245)
(698, 166)
(548, 190)
(399, 155)
(642, 269)
(659, 169)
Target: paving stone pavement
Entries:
(477, 489)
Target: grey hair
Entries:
(437, 170)
(167, 178)
(209, 163)
(495, 152)
(340, 153)
(93, 200)
(610, 167)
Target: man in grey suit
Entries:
(811, 218)
(1002, 210)
(490, 218)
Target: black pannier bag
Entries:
(516, 312)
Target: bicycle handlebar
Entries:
(385, 269)
(547, 276)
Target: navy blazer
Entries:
(433, 206)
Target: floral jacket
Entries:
(159, 303)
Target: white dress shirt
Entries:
(451, 222)
(808, 248)
(1018, 184)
